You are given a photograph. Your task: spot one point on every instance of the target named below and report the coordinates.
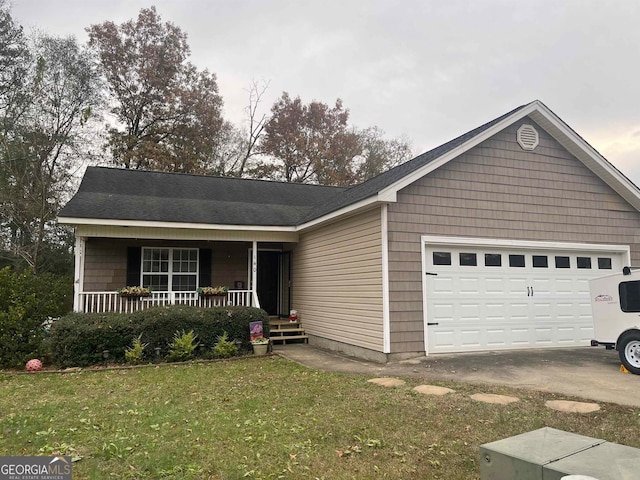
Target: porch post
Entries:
(78, 277)
(254, 270)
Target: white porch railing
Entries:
(101, 302)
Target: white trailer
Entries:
(615, 305)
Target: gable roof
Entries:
(116, 194)
(377, 184)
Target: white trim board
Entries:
(185, 226)
(506, 243)
(386, 323)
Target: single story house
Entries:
(484, 243)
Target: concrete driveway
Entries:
(587, 372)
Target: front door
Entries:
(268, 280)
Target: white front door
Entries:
(488, 297)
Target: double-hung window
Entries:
(170, 269)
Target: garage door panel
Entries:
(520, 336)
(468, 285)
(566, 308)
(517, 286)
(495, 337)
(519, 310)
(442, 285)
(496, 307)
(441, 312)
(542, 310)
(444, 340)
(567, 334)
(468, 311)
(493, 286)
(542, 285)
(564, 286)
(584, 310)
(470, 338)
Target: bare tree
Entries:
(41, 135)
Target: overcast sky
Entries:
(429, 69)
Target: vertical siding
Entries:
(337, 281)
(498, 190)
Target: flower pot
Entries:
(260, 348)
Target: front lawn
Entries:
(269, 418)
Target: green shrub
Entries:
(79, 339)
(27, 301)
(158, 325)
(135, 353)
(225, 348)
(183, 346)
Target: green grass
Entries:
(269, 418)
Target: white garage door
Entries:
(504, 297)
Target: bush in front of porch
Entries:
(27, 303)
(81, 339)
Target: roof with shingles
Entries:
(136, 195)
(120, 194)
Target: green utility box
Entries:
(604, 462)
(550, 454)
(524, 456)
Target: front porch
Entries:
(103, 302)
(255, 274)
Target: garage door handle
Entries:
(429, 273)
(431, 324)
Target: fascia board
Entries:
(447, 157)
(339, 213)
(591, 158)
(187, 226)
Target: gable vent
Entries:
(528, 137)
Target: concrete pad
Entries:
(411, 361)
(572, 407)
(432, 390)
(571, 371)
(387, 382)
(492, 398)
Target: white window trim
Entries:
(170, 272)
